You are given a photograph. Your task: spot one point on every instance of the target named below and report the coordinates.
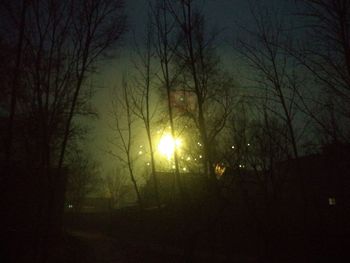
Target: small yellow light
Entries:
(331, 201)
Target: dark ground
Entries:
(158, 236)
(131, 238)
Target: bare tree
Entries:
(278, 87)
(142, 97)
(201, 77)
(16, 79)
(125, 133)
(164, 26)
(324, 52)
(274, 69)
(83, 178)
(115, 182)
(59, 45)
(258, 143)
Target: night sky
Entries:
(225, 138)
(224, 15)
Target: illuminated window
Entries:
(331, 201)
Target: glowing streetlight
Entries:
(168, 144)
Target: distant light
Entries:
(184, 169)
(200, 156)
(331, 201)
(219, 170)
(232, 146)
(248, 144)
(70, 206)
(148, 164)
(199, 143)
(141, 146)
(173, 166)
(140, 152)
(188, 158)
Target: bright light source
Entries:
(232, 146)
(248, 144)
(168, 144)
(148, 164)
(188, 158)
(184, 169)
(140, 152)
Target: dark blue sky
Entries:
(222, 14)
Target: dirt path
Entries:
(101, 248)
(105, 249)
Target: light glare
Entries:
(168, 144)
